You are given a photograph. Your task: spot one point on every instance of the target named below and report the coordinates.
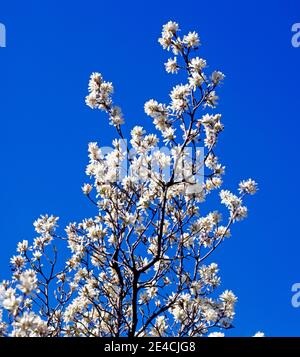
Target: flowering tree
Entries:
(141, 266)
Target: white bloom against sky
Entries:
(141, 265)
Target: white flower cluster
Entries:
(170, 40)
(234, 204)
(28, 281)
(248, 186)
(171, 65)
(99, 97)
(138, 266)
(159, 112)
(29, 325)
(9, 299)
(46, 224)
(204, 312)
(179, 96)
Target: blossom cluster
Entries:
(99, 97)
(140, 265)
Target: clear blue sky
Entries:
(52, 46)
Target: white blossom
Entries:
(248, 186)
(28, 281)
(45, 224)
(22, 246)
(17, 261)
(29, 325)
(192, 39)
(171, 65)
(217, 77)
(197, 64)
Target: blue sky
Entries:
(53, 46)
